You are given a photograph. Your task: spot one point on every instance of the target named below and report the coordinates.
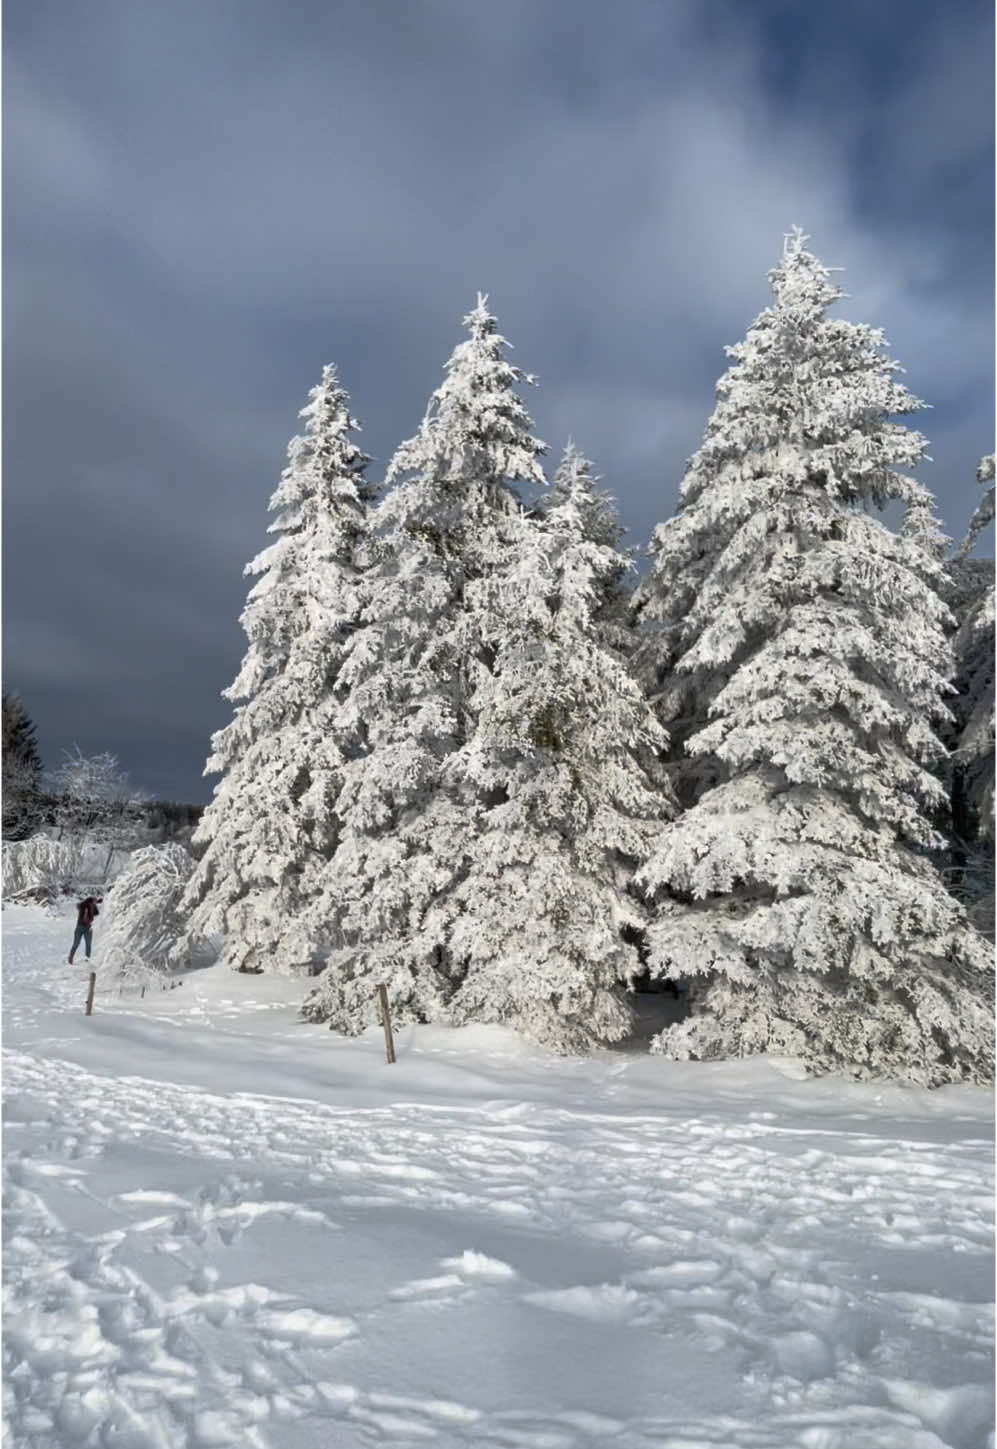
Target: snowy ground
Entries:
(223, 1227)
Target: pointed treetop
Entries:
(479, 321)
(574, 489)
(573, 468)
(801, 281)
(794, 240)
(328, 399)
(328, 423)
(325, 467)
(475, 418)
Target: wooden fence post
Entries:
(389, 1041)
(93, 983)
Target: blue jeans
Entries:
(85, 934)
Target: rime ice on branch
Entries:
(799, 656)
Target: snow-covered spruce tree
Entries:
(563, 769)
(410, 823)
(23, 801)
(798, 888)
(972, 600)
(270, 830)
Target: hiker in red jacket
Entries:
(86, 914)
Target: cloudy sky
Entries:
(204, 202)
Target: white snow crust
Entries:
(227, 1227)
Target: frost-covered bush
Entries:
(143, 933)
(44, 868)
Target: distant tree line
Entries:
(87, 794)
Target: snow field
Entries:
(223, 1227)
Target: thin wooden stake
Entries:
(389, 1041)
(90, 992)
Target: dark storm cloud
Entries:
(207, 202)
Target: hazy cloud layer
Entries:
(204, 203)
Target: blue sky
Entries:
(205, 203)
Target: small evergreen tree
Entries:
(801, 653)
(410, 817)
(23, 801)
(271, 828)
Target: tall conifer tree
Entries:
(802, 660)
(271, 827)
(411, 817)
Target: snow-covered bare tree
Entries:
(563, 767)
(271, 828)
(23, 800)
(802, 654)
(144, 932)
(410, 819)
(93, 795)
(42, 868)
